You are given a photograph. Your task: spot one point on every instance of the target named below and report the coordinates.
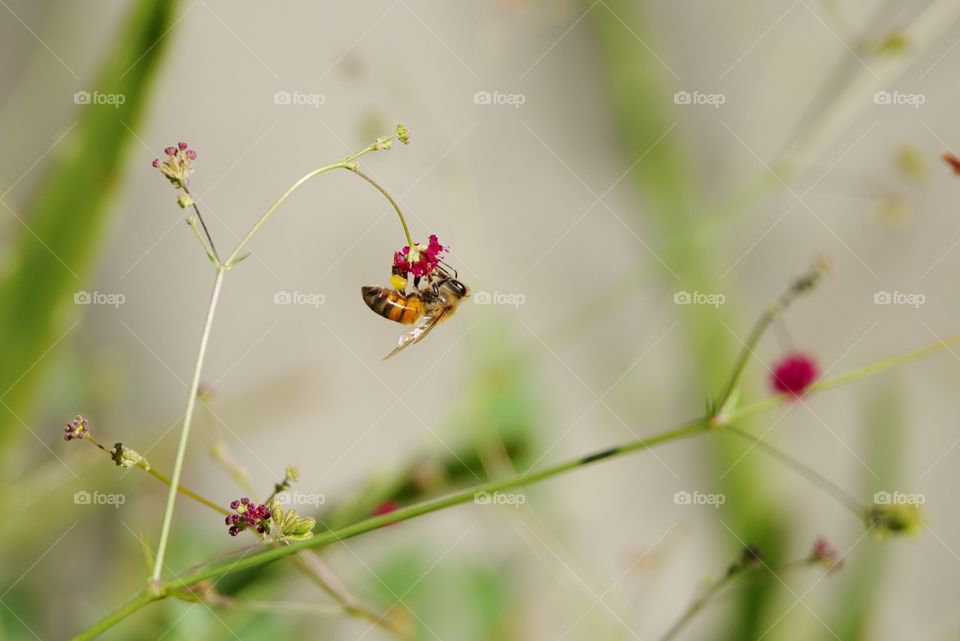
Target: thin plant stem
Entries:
(698, 605)
(166, 480)
(803, 469)
(346, 163)
(185, 431)
(715, 589)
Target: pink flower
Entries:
(178, 166)
(427, 258)
(794, 374)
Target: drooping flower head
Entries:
(794, 374)
(248, 515)
(179, 164)
(422, 261)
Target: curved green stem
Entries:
(346, 163)
(396, 207)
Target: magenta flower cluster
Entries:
(178, 165)
(794, 374)
(248, 515)
(427, 261)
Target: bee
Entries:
(425, 307)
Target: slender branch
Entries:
(185, 431)
(231, 259)
(733, 573)
(698, 605)
(804, 470)
(206, 231)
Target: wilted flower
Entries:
(794, 374)
(79, 427)
(422, 261)
(750, 557)
(248, 515)
(892, 519)
(126, 457)
(953, 161)
(826, 555)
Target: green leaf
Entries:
(63, 222)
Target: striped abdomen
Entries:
(393, 305)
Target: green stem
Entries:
(185, 431)
(115, 617)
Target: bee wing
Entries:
(417, 334)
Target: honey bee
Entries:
(426, 306)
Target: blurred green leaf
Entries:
(62, 225)
(671, 190)
(884, 426)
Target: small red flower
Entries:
(952, 160)
(825, 554)
(426, 258)
(794, 374)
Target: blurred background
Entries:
(624, 186)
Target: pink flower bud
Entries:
(192, 155)
(156, 162)
(182, 145)
(794, 374)
(170, 151)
